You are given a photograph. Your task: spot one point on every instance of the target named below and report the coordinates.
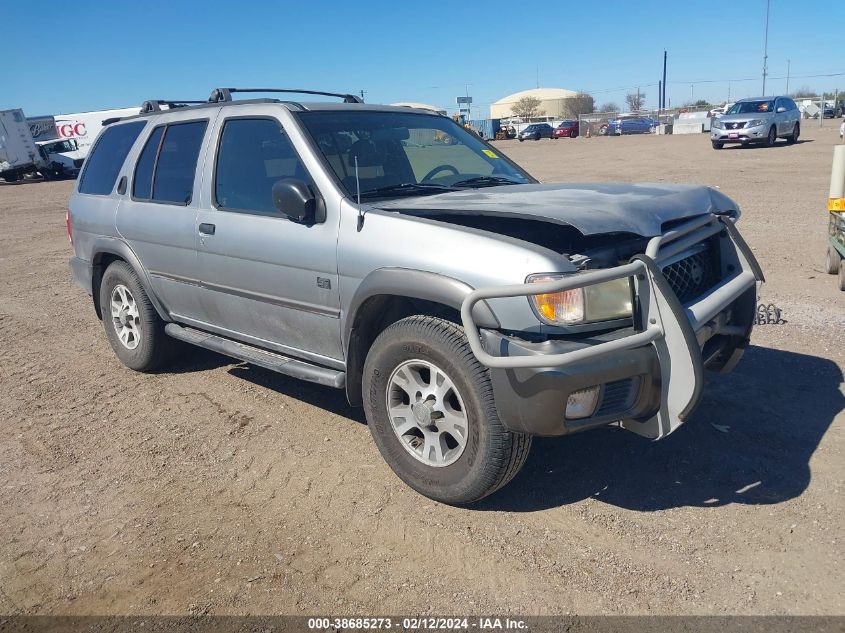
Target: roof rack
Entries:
(154, 105)
(225, 94)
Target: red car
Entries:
(567, 129)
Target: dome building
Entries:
(553, 103)
(422, 106)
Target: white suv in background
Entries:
(757, 120)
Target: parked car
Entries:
(536, 131)
(757, 120)
(630, 125)
(466, 306)
(566, 129)
(720, 110)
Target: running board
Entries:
(257, 356)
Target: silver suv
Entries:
(391, 253)
(757, 120)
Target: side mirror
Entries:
(295, 199)
(781, 109)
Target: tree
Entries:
(582, 103)
(635, 100)
(609, 107)
(527, 108)
(804, 93)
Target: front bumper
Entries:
(743, 135)
(649, 376)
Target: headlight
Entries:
(606, 301)
(755, 123)
(717, 123)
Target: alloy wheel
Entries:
(125, 317)
(427, 413)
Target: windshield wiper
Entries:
(405, 188)
(484, 181)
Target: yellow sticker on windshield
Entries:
(490, 153)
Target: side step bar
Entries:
(257, 356)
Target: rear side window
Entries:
(167, 165)
(107, 156)
(253, 154)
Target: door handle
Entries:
(207, 229)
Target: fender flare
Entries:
(113, 246)
(415, 284)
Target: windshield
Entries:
(752, 107)
(61, 146)
(401, 153)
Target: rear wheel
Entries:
(573, 134)
(842, 275)
(430, 409)
(832, 261)
(134, 329)
(717, 145)
(793, 138)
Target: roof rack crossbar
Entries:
(154, 105)
(225, 94)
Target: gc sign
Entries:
(71, 130)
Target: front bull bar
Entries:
(664, 322)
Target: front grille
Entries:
(691, 276)
(734, 125)
(618, 396)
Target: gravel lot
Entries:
(223, 488)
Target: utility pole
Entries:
(538, 75)
(363, 92)
(766, 48)
(787, 76)
(663, 96)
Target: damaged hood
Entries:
(590, 208)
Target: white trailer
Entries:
(83, 127)
(19, 155)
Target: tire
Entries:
(490, 455)
(717, 145)
(832, 261)
(148, 348)
(793, 138)
(842, 275)
(573, 134)
(521, 139)
(772, 137)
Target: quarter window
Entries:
(142, 185)
(107, 156)
(253, 155)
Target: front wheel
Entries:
(831, 261)
(717, 145)
(772, 137)
(842, 275)
(430, 409)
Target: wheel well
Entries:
(375, 315)
(100, 262)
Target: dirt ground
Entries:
(222, 488)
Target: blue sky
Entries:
(90, 55)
